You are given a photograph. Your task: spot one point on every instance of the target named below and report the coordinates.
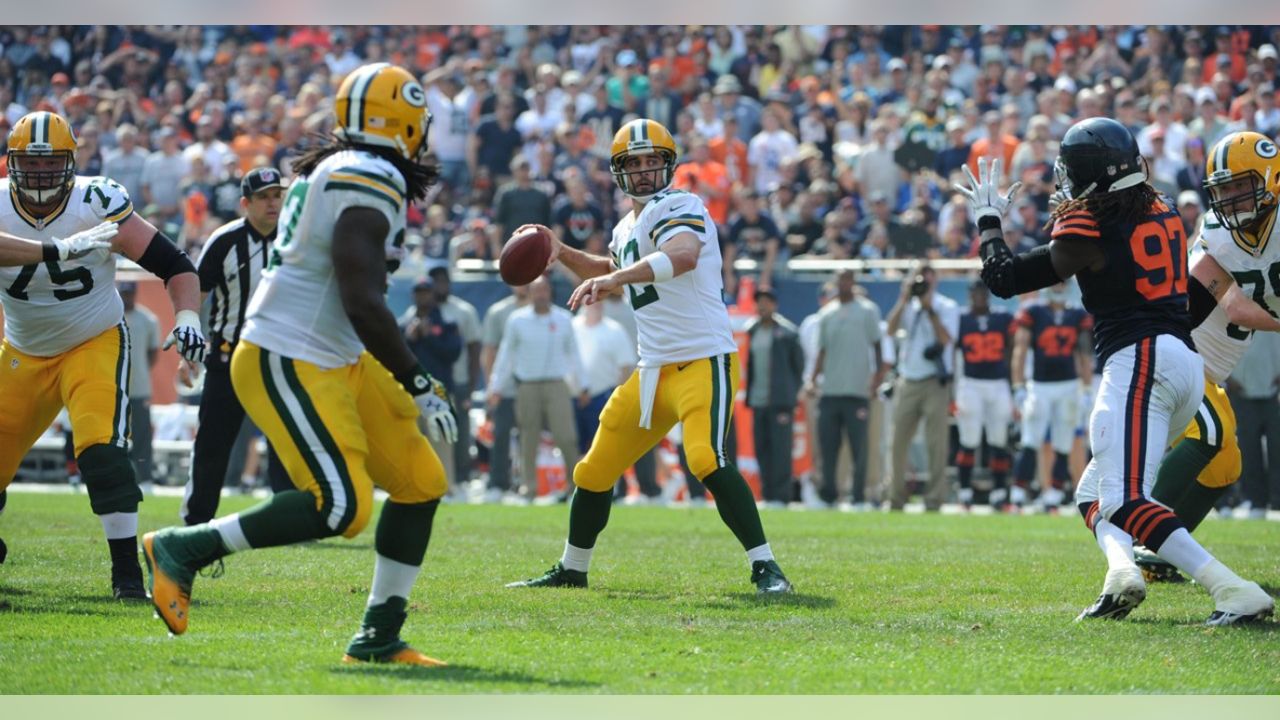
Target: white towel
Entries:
(648, 391)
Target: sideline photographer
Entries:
(925, 325)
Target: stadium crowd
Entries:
(804, 141)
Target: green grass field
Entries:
(885, 604)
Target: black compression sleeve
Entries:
(1033, 271)
(164, 260)
(1201, 301)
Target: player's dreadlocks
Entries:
(419, 177)
(1129, 205)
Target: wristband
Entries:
(50, 251)
(416, 380)
(662, 268)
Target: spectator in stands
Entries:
(775, 366)
(162, 175)
(769, 149)
(124, 164)
(519, 202)
(144, 346)
(495, 142)
(502, 408)
(1189, 210)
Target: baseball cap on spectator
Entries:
(626, 57)
(955, 123)
(941, 61)
(423, 283)
(1189, 197)
(257, 179)
(1266, 89)
(1206, 95)
(727, 85)
(990, 54)
(765, 292)
(1268, 51)
(1064, 82)
(572, 77)
(896, 64)
(877, 196)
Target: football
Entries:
(525, 255)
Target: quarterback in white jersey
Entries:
(65, 341)
(666, 258)
(322, 369)
(1236, 261)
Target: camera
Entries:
(919, 287)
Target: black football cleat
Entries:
(557, 576)
(768, 578)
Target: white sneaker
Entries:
(965, 496)
(1122, 591)
(516, 499)
(997, 497)
(491, 496)
(1018, 495)
(1240, 603)
(1051, 497)
(1257, 514)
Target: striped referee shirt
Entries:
(230, 267)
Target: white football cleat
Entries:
(1122, 591)
(1241, 603)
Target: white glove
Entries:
(1057, 198)
(86, 241)
(435, 405)
(1020, 398)
(984, 191)
(187, 336)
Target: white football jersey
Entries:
(51, 307)
(683, 318)
(296, 310)
(1257, 272)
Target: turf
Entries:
(885, 604)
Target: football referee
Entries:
(230, 265)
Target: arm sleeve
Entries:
(1201, 301)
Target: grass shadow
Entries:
(316, 545)
(792, 599)
(7, 591)
(459, 673)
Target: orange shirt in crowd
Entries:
(249, 147)
(710, 181)
(732, 153)
(982, 148)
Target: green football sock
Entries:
(288, 517)
(588, 514)
(404, 531)
(736, 505)
(1196, 503)
(1177, 484)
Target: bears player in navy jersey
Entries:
(1055, 335)
(1126, 247)
(983, 398)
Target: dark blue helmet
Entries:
(1098, 155)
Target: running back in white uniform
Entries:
(684, 319)
(297, 310)
(53, 306)
(1257, 272)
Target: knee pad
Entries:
(702, 460)
(591, 479)
(1223, 470)
(109, 479)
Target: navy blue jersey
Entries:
(984, 340)
(1141, 292)
(1055, 334)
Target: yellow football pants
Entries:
(697, 393)
(1215, 425)
(339, 432)
(91, 380)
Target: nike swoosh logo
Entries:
(682, 367)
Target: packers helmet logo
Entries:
(1265, 148)
(413, 94)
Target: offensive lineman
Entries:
(1237, 262)
(667, 260)
(322, 369)
(65, 339)
(1126, 247)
